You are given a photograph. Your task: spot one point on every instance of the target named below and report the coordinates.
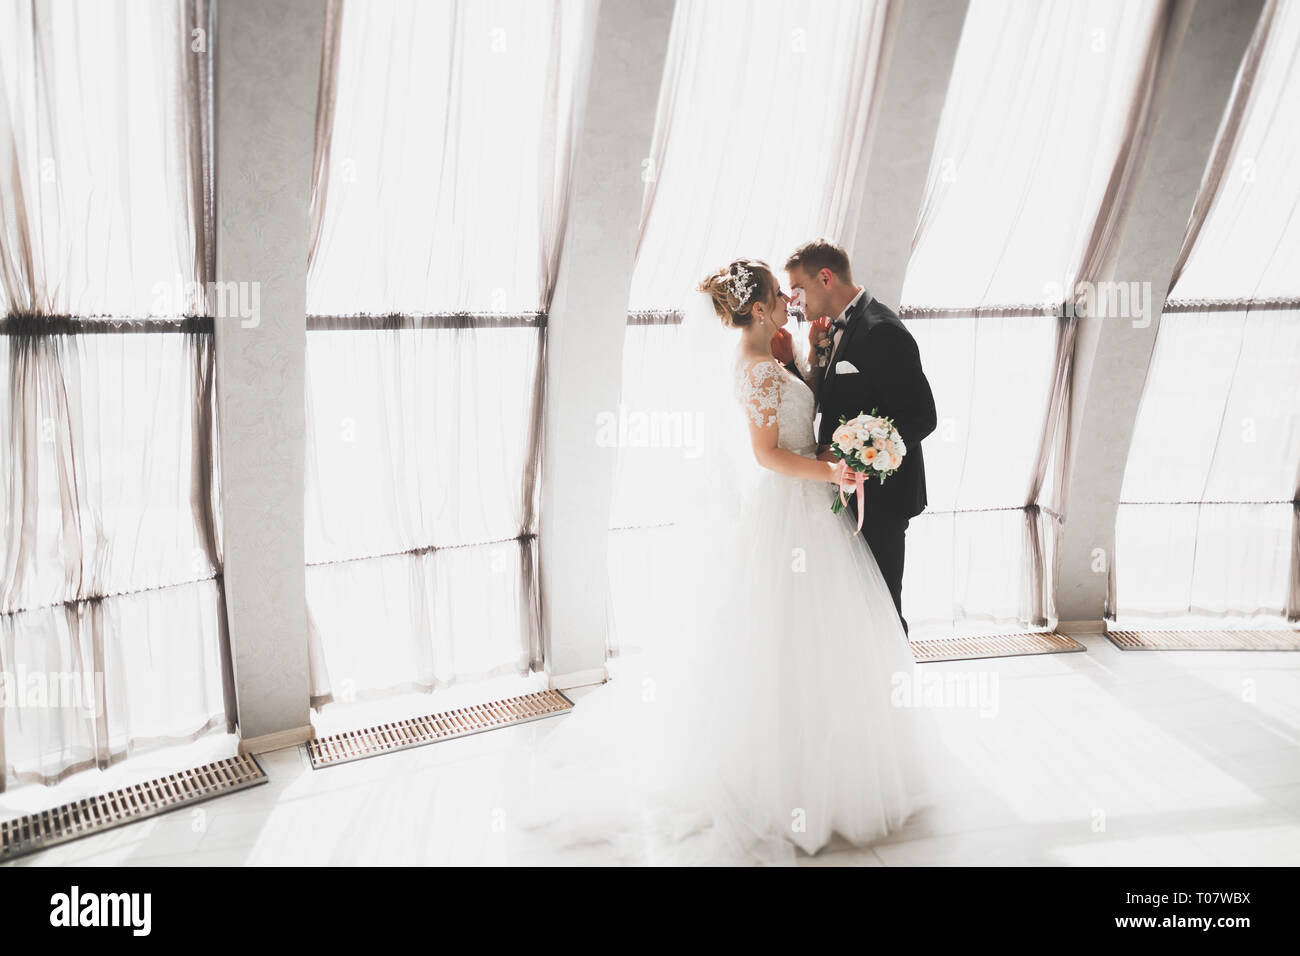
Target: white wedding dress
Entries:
(772, 715)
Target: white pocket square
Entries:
(845, 368)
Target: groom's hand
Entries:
(824, 453)
(782, 347)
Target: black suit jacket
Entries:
(890, 380)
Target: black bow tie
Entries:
(840, 324)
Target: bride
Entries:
(769, 717)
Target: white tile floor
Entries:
(1107, 757)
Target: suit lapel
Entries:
(852, 321)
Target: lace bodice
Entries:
(772, 396)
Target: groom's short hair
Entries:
(812, 257)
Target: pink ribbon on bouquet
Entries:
(859, 480)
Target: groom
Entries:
(871, 363)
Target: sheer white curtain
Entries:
(112, 626)
(762, 134)
(444, 143)
(1046, 117)
(1207, 530)
(761, 140)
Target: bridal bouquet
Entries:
(869, 445)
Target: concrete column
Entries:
(916, 85)
(585, 333)
(268, 64)
(1112, 353)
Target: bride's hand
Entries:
(838, 473)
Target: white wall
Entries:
(585, 333)
(268, 64)
(1112, 354)
(916, 84)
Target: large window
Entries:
(444, 149)
(1027, 186)
(112, 629)
(1207, 530)
(760, 143)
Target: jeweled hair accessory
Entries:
(742, 283)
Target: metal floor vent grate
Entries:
(993, 645)
(71, 821)
(1219, 640)
(418, 731)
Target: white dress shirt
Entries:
(839, 333)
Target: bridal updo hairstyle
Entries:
(725, 289)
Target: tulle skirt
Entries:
(772, 714)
